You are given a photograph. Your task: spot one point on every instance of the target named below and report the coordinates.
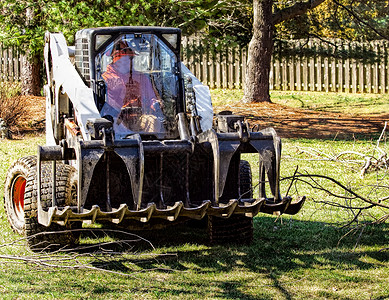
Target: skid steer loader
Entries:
(131, 139)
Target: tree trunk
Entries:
(259, 54)
(30, 69)
(30, 75)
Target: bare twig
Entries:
(76, 266)
(312, 176)
(381, 136)
(359, 238)
(370, 162)
(292, 181)
(77, 258)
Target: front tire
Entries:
(21, 203)
(17, 176)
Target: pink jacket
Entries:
(121, 91)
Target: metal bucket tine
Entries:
(223, 211)
(250, 209)
(196, 213)
(169, 214)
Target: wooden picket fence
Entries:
(10, 64)
(300, 65)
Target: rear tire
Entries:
(245, 180)
(237, 229)
(21, 203)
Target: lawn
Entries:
(353, 104)
(306, 256)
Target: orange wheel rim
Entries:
(18, 189)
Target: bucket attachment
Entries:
(135, 179)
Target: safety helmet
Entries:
(121, 49)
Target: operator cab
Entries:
(135, 75)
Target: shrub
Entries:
(13, 106)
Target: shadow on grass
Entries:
(277, 249)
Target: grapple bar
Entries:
(56, 215)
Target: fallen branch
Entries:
(78, 258)
(76, 266)
(356, 196)
(368, 162)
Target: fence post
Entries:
(375, 74)
(361, 72)
(339, 49)
(311, 68)
(284, 73)
(318, 66)
(333, 68)
(346, 54)
(382, 67)
(298, 69)
(368, 68)
(354, 77)
(291, 65)
(326, 69)
(305, 72)
(387, 68)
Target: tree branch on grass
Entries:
(356, 204)
(316, 185)
(82, 258)
(370, 162)
(76, 264)
(356, 211)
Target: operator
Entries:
(131, 99)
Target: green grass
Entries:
(335, 102)
(293, 257)
(354, 104)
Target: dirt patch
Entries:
(301, 123)
(288, 122)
